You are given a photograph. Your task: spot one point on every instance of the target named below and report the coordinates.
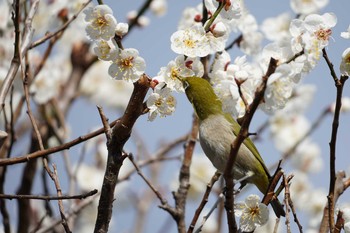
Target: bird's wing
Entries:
(247, 142)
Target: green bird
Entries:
(217, 130)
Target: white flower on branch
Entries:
(277, 28)
(181, 67)
(105, 50)
(252, 213)
(191, 42)
(160, 102)
(101, 22)
(313, 33)
(128, 65)
(122, 29)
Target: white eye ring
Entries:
(186, 85)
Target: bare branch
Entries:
(204, 201)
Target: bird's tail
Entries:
(278, 208)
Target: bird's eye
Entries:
(186, 85)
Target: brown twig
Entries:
(61, 29)
(204, 201)
(339, 224)
(178, 213)
(340, 186)
(162, 200)
(72, 212)
(243, 134)
(270, 193)
(339, 83)
(237, 41)
(65, 146)
(134, 22)
(286, 202)
(49, 198)
(15, 63)
(60, 203)
(116, 139)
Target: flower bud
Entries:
(219, 29)
(121, 29)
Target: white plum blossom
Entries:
(225, 77)
(346, 35)
(252, 213)
(319, 27)
(128, 65)
(277, 28)
(121, 29)
(159, 7)
(221, 61)
(219, 29)
(313, 34)
(191, 42)
(160, 102)
(101, 22)
(105, 50)
(279, 89)
(191, 16)
(232, 9)
(181, 67)
(307, 7)
(345, 63)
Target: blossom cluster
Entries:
(102, 28)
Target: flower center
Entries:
(127, 62)
(323, 34)
(170, 101)
(174, 73)
(101, 22)
(189, 43)
(158, 102)
(254, 211)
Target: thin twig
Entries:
(243, 134)
(286, 202)
(15, 63)
(61, 29)
(49, 198)
(339, 83)
(65, 146)
(204, 201)
(162, 200)
(206, 217)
